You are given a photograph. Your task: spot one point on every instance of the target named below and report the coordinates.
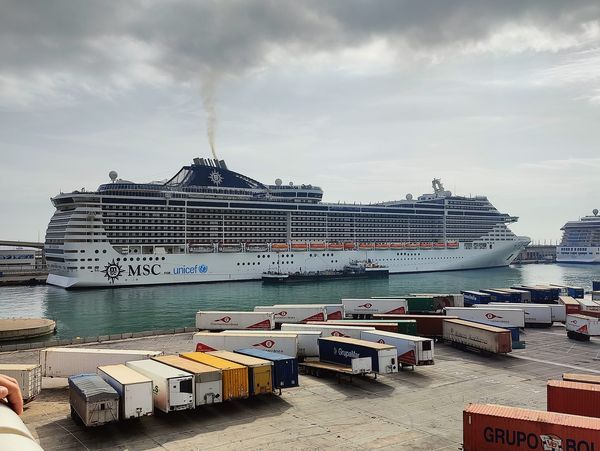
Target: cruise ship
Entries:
(580, 241)
(208, 224)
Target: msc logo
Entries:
(112, 271)
(367, 305)
(225, 319)
(492, 316)
(266, 344)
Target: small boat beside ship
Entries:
(354, 270)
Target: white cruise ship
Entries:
(581, 241)
(209, 224)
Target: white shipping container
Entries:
(558, 312)
(586, 325)
(411, 350)
(332, 311)
(216, 320)
(134, 389)
(328, 330)
(489, 315)
(371, 306)
(589, 304)
(308, 340)
(65, 362)
(596, 295)
(535, 315)
(267, 341)
(485, 337)
(295, 313)
(173, 389)
(28, 376)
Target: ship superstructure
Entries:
(208, 223)
(580, 241)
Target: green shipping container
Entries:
(417, 304)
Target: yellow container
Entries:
(235, 376)
(259, 370)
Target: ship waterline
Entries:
(210, 224)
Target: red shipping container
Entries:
(431, 326)
(571, 304)
(579, 377)
(575, 398)
(489, 427)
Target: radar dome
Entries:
(595, 211)
(278, 182)
(409, 196)
(113, 175)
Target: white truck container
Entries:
(216, 320)
(65, 362)
(589, 304)
(134, 389)
(536, 315)
(482, 337)
(328, 330)
(173, 389)
(490, 315)
(300, 313)
(558, 312)
(308, 345)
(372, 306)
(332, 311)
(267, 341)
(412, 351)
(28, 376)
(582, 327)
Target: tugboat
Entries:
(355, 270)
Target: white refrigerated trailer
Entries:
(134, 389)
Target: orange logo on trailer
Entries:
(492, 316)
(201, 347)
(225, 319)
(266, 344)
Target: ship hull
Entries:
(589, 255)
(115, 270)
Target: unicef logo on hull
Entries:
(194, 269)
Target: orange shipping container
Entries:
(575, 398)
(585, 378)
(571, 304)
(489, 427)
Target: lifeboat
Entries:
(317, 246)
(335, 246)
(397, 246)
(425, 245)
(452, 245)
(279, 247)
(349, 246)
(299, 247)
(382, 246)
(364, 246)
(439, 245)
(257, 247)
(412, 246)
(224, 247)
(201, 248)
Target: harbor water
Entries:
(93, 312)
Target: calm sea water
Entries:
(85, 313)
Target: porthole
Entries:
(104, 251)
(96, 251)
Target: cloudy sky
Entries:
(368, 99)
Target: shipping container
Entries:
(575, 292)
(535, 315)
(498, 295)
(579, 377)
(538, 294)
(295, 313)
(342, 350)
(208, 386)
(328, 330)
(588, 305)
(283, 344)
(307, 340)
(596, 295)
(401, 326)
(582, 327)
(515, 295)
(173, 389)
(215, 320)
(489, 427)
(260, 377)
(558, 312)
(480, 337)
(411, 350)
(575, 398)
(442, 300)
(368, 307)
(285, 367)
(235, 376)
(415, 304)
(515, 335)
(500, 317)
(570, 303)
(65, 362)
(332, 311)
(93, 401)
(475, 297)
(596, 285)
(134, 389)
(28, 376)
(430, 326)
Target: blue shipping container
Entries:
(498, 296)
(575, 292)
(541, 295)
(596, 285)
(475, 297)
(285, 367)
(342, 350)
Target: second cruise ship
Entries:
(208, 224)
(581, 241)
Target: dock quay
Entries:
(12, 329)
(412, 410)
